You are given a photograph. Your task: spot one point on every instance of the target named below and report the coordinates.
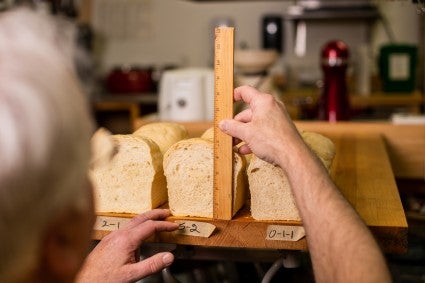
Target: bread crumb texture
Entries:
(133, 180)
(188, 167)
(271, 194)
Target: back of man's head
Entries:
(45, 129)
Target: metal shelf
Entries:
(335, 14)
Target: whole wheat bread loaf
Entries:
(188, 167)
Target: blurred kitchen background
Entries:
(136, 42)
(155, 57)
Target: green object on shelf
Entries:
(397, 67)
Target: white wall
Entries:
(403, 19)
(180, 32)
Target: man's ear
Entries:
(65, 246)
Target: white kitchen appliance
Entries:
(186, 95)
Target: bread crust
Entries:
(164, 134)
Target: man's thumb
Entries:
(231, 127)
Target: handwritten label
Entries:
(107, 223)
(285, 233)
(194, 228)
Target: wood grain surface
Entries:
(405, 144)
(361, 170)
(223, 109)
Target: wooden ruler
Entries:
(223, 109)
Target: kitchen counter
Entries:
(297, 103)
(300, 100)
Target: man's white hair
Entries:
(45, 128)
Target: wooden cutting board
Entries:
(361, 170)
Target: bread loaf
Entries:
(188, 167)
(164, 134)
(102, 147)
(208, 134)
(132, 180)
(271, 195)
(322, 146)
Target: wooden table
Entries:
(405, 144)
(361, 170)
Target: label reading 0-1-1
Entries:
(285, 233)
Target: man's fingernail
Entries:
(168, 258)
(222, 125)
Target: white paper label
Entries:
(285, 233)
(399, 67)
(194, 228)
(108, 223)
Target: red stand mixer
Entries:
(334, 103)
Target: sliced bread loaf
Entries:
(132, 180)
(188, 167)
(271, 195)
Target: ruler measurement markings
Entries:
(223, 109)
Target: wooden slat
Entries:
(374, 195)
(369, 192)
(414, 100)
(223, 109)
(377, 99)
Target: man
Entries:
(46, 206)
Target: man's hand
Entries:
(265, 126)
(114, 258)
